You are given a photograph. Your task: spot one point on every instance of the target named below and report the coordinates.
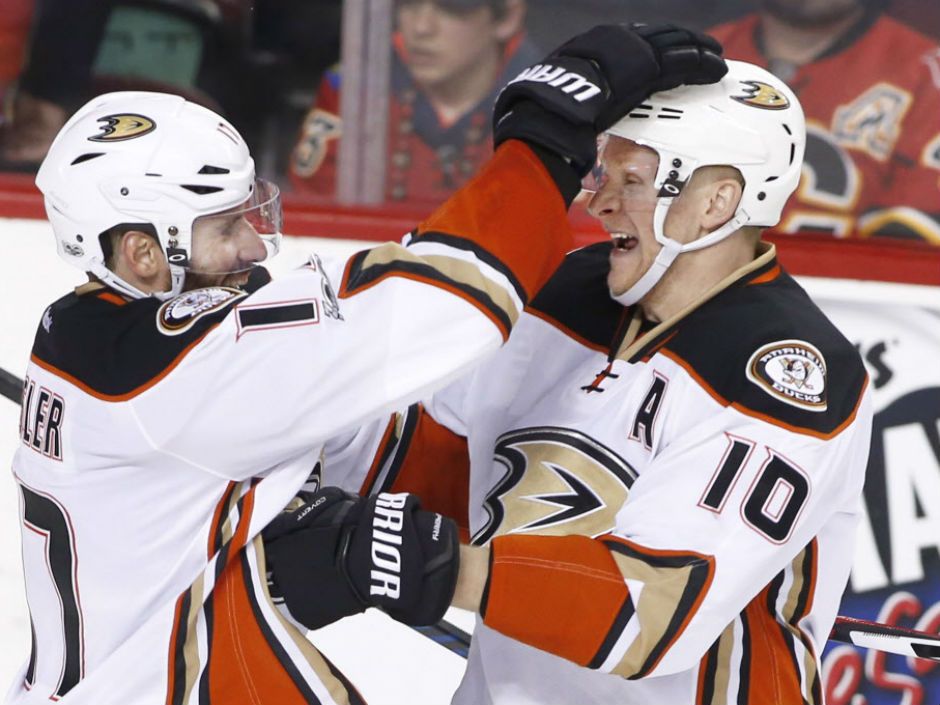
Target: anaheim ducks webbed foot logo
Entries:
(758, 94)
(557, 482)
(125, 126)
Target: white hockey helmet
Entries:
(749, 120)
(149, 158)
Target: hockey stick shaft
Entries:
(869, 635)
(883, 637)
(11, 386)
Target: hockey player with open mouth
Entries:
(665, 461)
(177, 401)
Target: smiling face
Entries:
(625, 200)
(624, 203)
(225, 248)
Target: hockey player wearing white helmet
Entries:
(177, 402)
(666, 459)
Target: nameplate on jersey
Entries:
(792, 371)
(178, 315)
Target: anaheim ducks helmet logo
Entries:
(557, 482)
(125, 126)
(758, 94)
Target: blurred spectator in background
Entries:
(14, 30)
(450, 58)
(870, 87)
(241, 58)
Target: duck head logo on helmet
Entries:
(758, 94)
(123, 127)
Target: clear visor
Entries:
(623, 176)
(236, 239)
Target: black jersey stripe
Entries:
(208, 612)
(485, 256)
(624, 615)
(31, 668)
(744, 670)
(177, 689)
(395, 451)
(698, 571)
(361, 275)
(223, 509)
(709, 666)
(792, 630)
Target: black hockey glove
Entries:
(562, 103)
(337, 554)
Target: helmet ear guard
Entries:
(140, 157)
(750, 120)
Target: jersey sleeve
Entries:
(295, 364)
(708, 525)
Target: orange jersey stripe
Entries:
(112, 298)
(767, 276)
(773, 678)
(243, 667)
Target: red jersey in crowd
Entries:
(872, 104)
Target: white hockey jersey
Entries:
(671, 509)
(158, 439)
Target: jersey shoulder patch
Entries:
(793, 371)
(770, 352)
(180, 314)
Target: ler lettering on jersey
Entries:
(41, 416)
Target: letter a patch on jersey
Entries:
(178, 315)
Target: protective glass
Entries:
(227, 242)
(632, 181)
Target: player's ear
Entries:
(511, 21)
(142, 254)
(724, 196)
